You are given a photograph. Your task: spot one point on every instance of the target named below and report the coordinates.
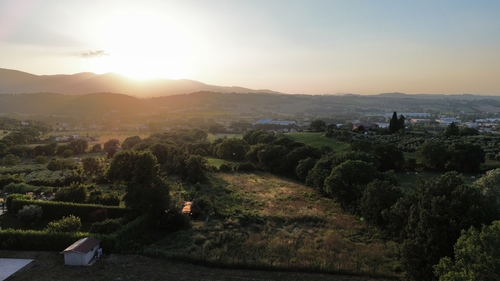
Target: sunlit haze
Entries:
(309, 47)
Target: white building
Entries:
(82, 251)
(448, 121)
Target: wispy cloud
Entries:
(93, 54)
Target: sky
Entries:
(290, 46)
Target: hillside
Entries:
(83, 105)
(16, 82)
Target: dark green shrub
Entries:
(245, 167)
(66, 224)
(106, 227)
(40, 159)
(56, 210)
(226, 168)
(20, 188)
(11, 197)
(30, 214)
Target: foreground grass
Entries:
(318, 140)
(50, 266)
(261, 221)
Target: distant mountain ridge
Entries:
(18, 82)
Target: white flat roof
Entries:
(11, 266)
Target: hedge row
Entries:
(32, 240)
(56, 210)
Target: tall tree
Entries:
(146, 192)
(394, 124)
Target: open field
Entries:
(318, 140)
(49, 266)
(263, 221)
(216, 162)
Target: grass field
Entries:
(318, 140)
(48, 266)
(212, 137)
(264, 221)
(217, 162)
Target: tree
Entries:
(303, 168)
(378, 197)
(70, 223)
(231, 149)
(433, 154)
(196, 169)
(438, 213)
(465, 157)
(348, 180)
(93, 168)
(476, 256)
(389, 156)
(30, 214)
(11, 160)
(58, 164)
(40, 159)
(96, 148)
(271, 158)
(112, 143)
(452, 130)
(394, 124)
(130, 142)
(317, 126)
(146, 192)
(76, 193)
(79, 146)
(489, 186)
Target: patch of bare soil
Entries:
(50, 266)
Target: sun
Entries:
(141, 45)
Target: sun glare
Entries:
(142, 46)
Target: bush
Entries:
(11, 160)
(106, 227)
(30, 240)
(174, 220)
(58, 164)
(10, 178)
(30, 214)
(11, 197)
(226, 168)
(75, 193)
(40, 159)
(20, 188)
(202, 207)
(110, 199)
(245, 167)
(56, 210)
(66, 224)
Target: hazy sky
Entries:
(309, 46)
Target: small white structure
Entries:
(82, 251)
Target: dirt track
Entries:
(50, 266)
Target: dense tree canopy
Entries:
(476, 256)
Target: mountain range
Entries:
(18, 82)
